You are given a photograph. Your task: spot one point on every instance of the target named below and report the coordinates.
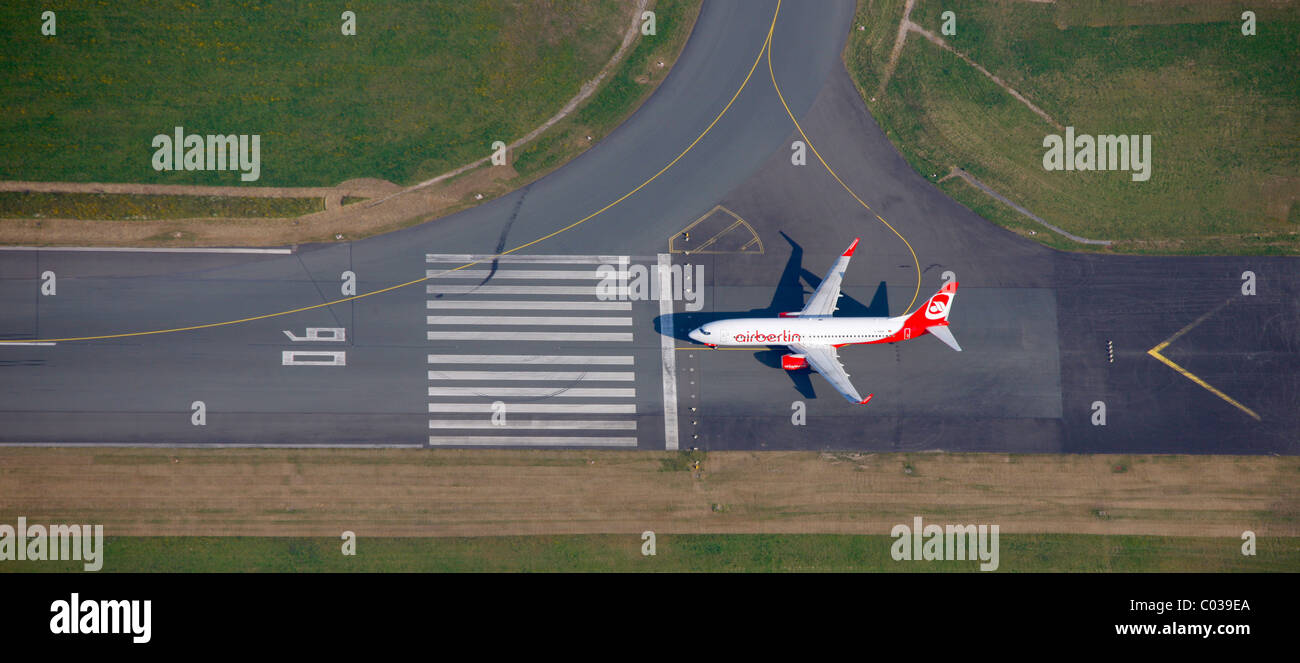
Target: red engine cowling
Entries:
(793, 362)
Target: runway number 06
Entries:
(316, 357)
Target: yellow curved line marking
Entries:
(758, 58)
(1155, 352)
(837, 177)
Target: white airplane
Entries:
(814, 333)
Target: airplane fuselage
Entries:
(817, 330)
(813, 333)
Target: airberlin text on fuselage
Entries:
(783, 336)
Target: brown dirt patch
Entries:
(140, 492)
(386, 211)
(1279, 195)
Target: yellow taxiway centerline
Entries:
(830, 170)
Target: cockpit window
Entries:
(705, 331)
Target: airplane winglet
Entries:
(944, 334)
(865, 400)
(848, 253)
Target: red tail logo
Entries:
(938, 307)
(935, 311)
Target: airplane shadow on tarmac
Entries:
(790, 295)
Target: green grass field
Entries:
(619, 95)
(715, 553)
(1223, 111)
(420, 89)
(112, 207)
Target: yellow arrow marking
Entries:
(1155, 352)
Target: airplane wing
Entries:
(822, 358)
(823, 300)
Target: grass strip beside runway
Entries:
(134, 207)
(1018, 553)
(1220, 108)
(479, 492)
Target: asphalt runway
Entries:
(426, 364)
(1034, 324)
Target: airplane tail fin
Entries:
(933, 316)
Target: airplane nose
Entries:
(695, 335)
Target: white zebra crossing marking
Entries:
(619, 360)
(612, 337)
(523, 259)
(588, 290)
(529, 440)
(536, 408)
(525, 304)
(568, 376)
(534, 285)
(549, 320)
(538, 274)
(533, 424)
(576, 392)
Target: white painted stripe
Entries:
(588, 290)
(614, 360)
(533, 260)
(531, 305)
(320, 334)
(576, 392)
(4, 343)
(124, 249)
(527, 320)
(213, 445)
(591, 275)
(571, 376)
(529, 441)
(313, 358)
(667, 348)
(537, 408)
(613, 337)
(533, 424)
